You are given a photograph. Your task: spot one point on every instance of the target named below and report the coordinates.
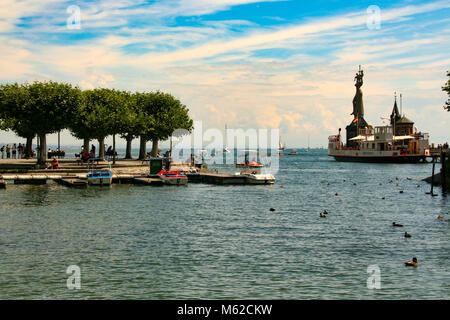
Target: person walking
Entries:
(14, 151)
(8, 151)
(3, 151)
(20, 150)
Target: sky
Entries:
(250, 64)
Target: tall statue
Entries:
(358, 106)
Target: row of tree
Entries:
(41, 108)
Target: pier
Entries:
(79, 179)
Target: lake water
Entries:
(222, 242)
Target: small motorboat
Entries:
(251, 164)
(254, 177)
(174, 177)
(100, 177)
(293, 153)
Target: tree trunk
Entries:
(154, 147)
(114, 149)
(86, 144)
(101, 148)
(142, 148)
(42, 149)
(128, 151)
(28, 152)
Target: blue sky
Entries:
(247, 63)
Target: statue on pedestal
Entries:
(358, 106)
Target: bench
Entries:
(89, 161)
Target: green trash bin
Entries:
(156, 165)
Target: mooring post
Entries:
(432, 178)
(443, 171)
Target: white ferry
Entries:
(399, 142)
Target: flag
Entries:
(355, 120)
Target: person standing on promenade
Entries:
(20, 150)
(93, 151)
(3, 151)
(8, 151)
(14, 151)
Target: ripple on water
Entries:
(222, 242)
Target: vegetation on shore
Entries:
(446, 88)
(42, 108)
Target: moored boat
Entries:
(174, 177)
(398, 142)
(255, 177)
(251, 164)
(99, 177)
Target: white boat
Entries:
(99, 177)
(254, 177)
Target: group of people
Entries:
(12, 151)
(85, 155)
(443, 146)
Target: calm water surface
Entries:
(222, 242)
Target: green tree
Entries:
(137, 122)
(446, 88)
(104, 112)
(169, 115)
(44, 108)
(12, 102)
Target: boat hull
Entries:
(381, 159)
(100, 181)
(175, 181)
(260, 181)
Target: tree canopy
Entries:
(42, 108)
(446, 88)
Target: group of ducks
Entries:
(413, 262)
(323, 214)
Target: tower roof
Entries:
(404, 120)
(395, 115)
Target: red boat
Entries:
(251, 164)
(174, 177)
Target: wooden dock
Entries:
(79, 179)
(148, 181)
(73, 182)
(216, 178)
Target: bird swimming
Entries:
(397, 224)
(413, 263)
(407, 235)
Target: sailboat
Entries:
(225, 149)
(281, 146)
